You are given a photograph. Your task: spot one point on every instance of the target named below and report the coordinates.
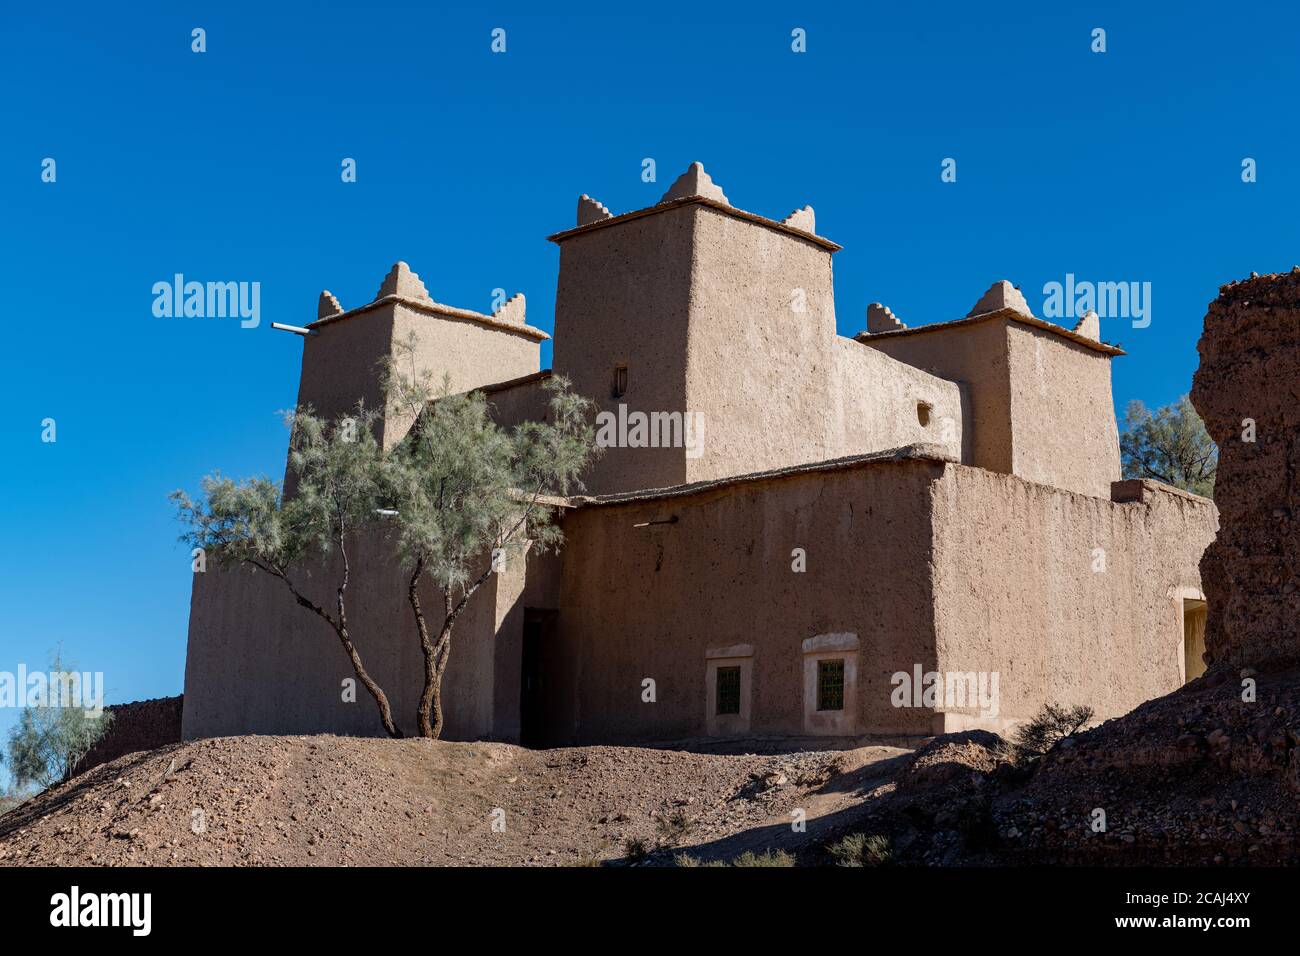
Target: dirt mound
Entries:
(1198, 777)
(952, 759)
(342, 801)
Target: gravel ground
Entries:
(334, 801)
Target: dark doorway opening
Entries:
(539, 626)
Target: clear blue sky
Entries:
(225, 165)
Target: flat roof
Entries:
(700, 201)
(1012, 314)
(921, 451)
(514, 382)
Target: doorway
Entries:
(539, 626)
(1194, 613)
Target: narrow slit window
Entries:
(619, 388)
(728, 691)
(830, 685)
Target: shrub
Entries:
(673, 827)
(769, 858)
(1049, 726)
(859, 849)
(52, 735)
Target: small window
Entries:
(923, 414)
(830, 685)
(728, 695)
(619, 388)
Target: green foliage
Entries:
(462, 486)
(15, 796)
(674, 827)
(770, 858)
(1170, 445)
(457, 488)
(50, 738)
(690, 862)
(748, 858)
(339, 484)
(340, 481)
(859, 849)
(467, 492)
(1050, 725)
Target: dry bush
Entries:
(1049, 726)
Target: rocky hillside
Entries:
(342, 801)
(1198, 777)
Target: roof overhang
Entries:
(1011, 314)
(437, 308)
(721, 207)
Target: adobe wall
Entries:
(139, 725)
(649, 602)
(623, 298)
(340, 363)
(1016, 591)
(777, 386)
(470, 353)
(1041, 405)
(1062, 413)
(514, 403)
(875, 403)
(259, 663)
(975, 355)
(1250, 369)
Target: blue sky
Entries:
(225, 165)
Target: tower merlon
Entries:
(513, 310)
(695, 182)
(405, 287)
(1089, 326)
(802, 219)
(1001, 295)
(881, 319)
(694, 187)
(589, 211)
(328, 305)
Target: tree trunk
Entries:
(377, 692)
(435, 685)
(427, 694)
(436, 655)
(340, 627)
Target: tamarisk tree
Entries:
(337, 470)
(472, 496)
(1169, 445)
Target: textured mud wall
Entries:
(1040, 405)
(258, 663)
(622, 298)
(140, 725)
(1071, 599)
(1062, 413)
(775, 383)
(1250, 369)
(650, 586)
(977, 356)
